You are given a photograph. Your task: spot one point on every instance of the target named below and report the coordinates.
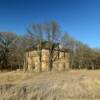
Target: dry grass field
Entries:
(68, 85)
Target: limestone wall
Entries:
(61, 60)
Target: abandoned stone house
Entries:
(61, 62)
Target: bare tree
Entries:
(35, 32)
(71, 45)
(81, 55)
(6, 41)
(53, 33)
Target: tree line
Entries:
(13, 47)
(81, 55)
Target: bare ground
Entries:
(68, 85)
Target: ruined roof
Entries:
(45, 45)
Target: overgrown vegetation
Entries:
(13, 47)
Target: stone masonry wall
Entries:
(61, 60)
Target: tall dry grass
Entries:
(71, 85)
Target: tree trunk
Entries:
(40, 56)
(50, 63)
